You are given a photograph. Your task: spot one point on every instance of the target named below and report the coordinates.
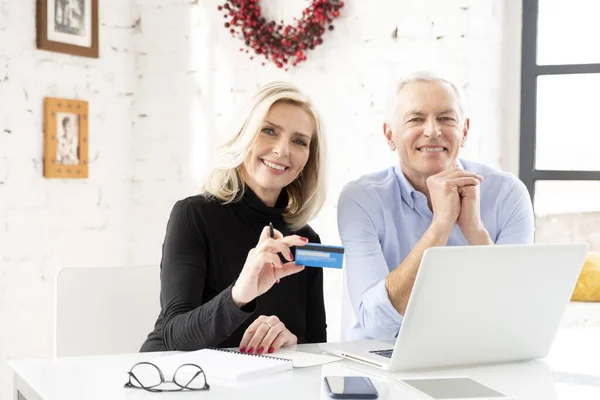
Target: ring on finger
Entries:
(269, 325)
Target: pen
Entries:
(272, 235)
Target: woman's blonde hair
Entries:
(307, 192)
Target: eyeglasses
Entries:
(147, 376)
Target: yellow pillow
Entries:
(588, 284)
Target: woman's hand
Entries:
(263, 268)
(266, 335)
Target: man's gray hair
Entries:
(416, 77)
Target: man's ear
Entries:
(465, 132)
(387, 131)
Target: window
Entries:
(560, 118)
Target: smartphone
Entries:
(350, 387)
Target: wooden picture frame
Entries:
(68, 26)
(65, 138)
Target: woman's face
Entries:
(279, 152)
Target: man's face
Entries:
(428, 130)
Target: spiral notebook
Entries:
(225, 364)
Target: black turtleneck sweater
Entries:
(204, 251)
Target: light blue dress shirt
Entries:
(381, 217)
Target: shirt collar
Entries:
(407, 189)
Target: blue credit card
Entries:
(318, 255)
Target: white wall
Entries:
(511, 78)
(169, 80)
(48, 224)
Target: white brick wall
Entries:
(167, 83)
(48, 224)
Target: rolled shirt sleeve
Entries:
(366, 267)
(517, 218)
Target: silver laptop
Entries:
(478, 305)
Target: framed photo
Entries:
(68, 26)
(65, 138)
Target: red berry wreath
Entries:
(283, 45)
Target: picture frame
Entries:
(68, 26)
(65, 138)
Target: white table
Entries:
(572, 371)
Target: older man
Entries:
(388, 219)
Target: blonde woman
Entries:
(223, 283)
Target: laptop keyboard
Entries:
(384, 353)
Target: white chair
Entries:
(104, 310)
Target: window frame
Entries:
(530, 70)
